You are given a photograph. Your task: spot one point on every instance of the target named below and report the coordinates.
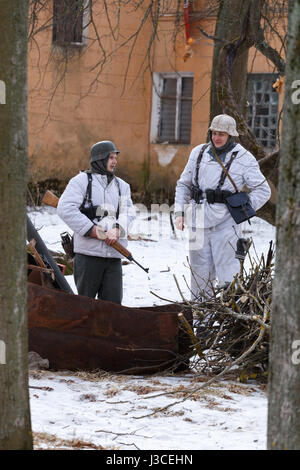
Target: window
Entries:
(263, 108)
(172, 108)
(68, 21)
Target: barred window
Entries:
(263, 108)
(172, 108)
(67, 22)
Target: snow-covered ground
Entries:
(117, 412)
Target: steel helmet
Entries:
(224, 123)
(102, 149)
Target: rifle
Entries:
(46, 257)
(51, 199)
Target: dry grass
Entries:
(46, 441)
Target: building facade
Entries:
(98, 73)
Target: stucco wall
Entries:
(71, 106)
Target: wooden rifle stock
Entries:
(51, 200)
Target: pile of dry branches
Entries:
(232, 325)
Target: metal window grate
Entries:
(176, 110)
(263, 108)
(167, 123)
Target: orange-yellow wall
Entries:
(71, 106)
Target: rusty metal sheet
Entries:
(79, 333)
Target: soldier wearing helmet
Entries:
(200, 204)
(97, 206)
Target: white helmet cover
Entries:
(224, 123)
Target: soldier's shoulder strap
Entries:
(202, 150)
(88, 193)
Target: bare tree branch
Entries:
(258, 37)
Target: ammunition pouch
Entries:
(94, 212)
(89, 212)
(239, 206)
(196, 194)
(214, 196)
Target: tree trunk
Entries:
(15, 426)
(284, 376)
(238, 28)
(230, 26)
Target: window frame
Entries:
(255, 77)
(84, 26)
(157, 95)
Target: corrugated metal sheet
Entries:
(79, 333)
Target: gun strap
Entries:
(119, 189)
(88, 193)
(226, 167)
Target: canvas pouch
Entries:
(239, 206)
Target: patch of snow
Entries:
(122, 412)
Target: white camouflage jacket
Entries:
(244, 171)
(109, 197)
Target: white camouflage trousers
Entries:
(212, 256)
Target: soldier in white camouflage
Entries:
(97, 206)
(213, 234)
